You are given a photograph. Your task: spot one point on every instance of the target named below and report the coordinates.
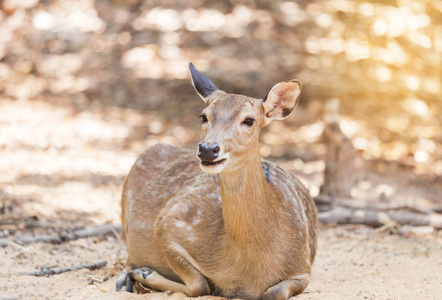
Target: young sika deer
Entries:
(249, 232)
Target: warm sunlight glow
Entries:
(415, 106)
(382, 73)
(421, 156)
(380, 27)
(412, 82)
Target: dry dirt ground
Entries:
(351, 264)
(61, 169)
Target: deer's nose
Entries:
(208, 152)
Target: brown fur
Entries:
(236, 232)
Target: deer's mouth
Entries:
(214, 167)
(213, 163)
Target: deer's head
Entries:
(231, 123)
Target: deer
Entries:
(225, 222)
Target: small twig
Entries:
(59, 270)
(17, 246)
(392, 226)
(57, 239)
(94, 278)
(117, 235)
(374, 217)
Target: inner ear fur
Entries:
(282, 100)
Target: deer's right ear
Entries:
(203, 85)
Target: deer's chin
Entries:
(216, 166)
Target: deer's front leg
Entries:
(195, 284)
(287, 288)
(151, 279)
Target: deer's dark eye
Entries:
(203, 118)
(248, 121)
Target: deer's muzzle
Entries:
(208, 153)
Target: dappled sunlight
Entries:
(82, 18)
(115, 76)
(79, 159)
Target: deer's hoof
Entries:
(129, 277)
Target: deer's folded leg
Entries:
(195, 281)
(287, 288)
(151, 279)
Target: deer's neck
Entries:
(250, 205)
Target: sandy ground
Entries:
(63, 170)
(352, 263)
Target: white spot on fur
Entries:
(180, 224)
(175, 207)
(197, 219)
(179, 207)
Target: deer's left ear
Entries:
(282, 100)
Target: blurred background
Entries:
(85, 86)
(88, 85)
